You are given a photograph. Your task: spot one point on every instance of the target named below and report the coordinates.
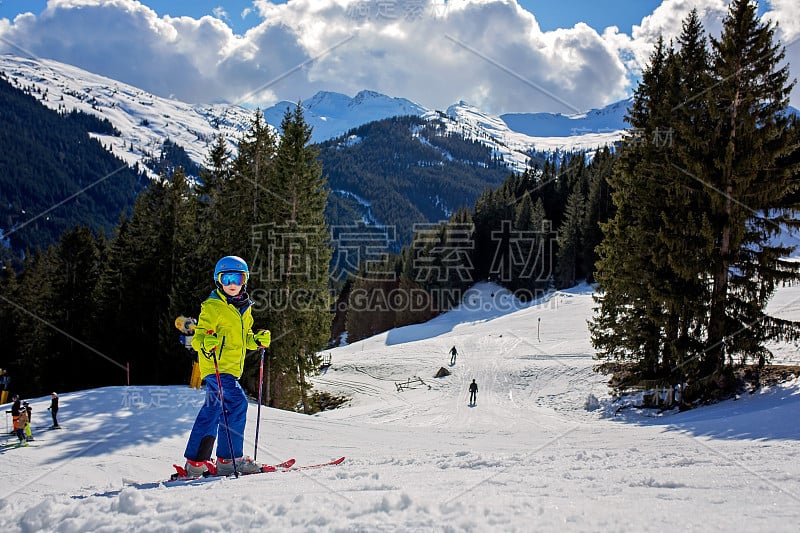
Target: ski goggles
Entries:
(232, 278)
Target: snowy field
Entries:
(528, 457)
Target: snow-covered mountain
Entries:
(334, 114)
(515, 145)
(146, 121)
(604, 120)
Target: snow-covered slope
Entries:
(528, 457)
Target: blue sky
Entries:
(488, 53)
(598, 14)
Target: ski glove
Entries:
(263, 338)
(210, 342)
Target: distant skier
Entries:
(5, 379)
(187, 326)
(224, 333)
(453, 354)
(54, 410)
(473, 393)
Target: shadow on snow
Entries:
(768, 414)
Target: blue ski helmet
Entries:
(231, 263)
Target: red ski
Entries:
(338, 461)
(182, 475)
(180, 479)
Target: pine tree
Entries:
(685, 234)
(217, 168)
(249, 207)
(135, 288)
(52, 317)
(532, 248)
(254, 173)
(628, 324)
(570, 240)
(238, 194)
(212, 209)
(296, 252)
(9, 296)
(189, 280)
(34, 315)
(598, 208)
(78, 268)
(748, 110)
(524, 269)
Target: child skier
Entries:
(29, 411)
(224, 331)
(22, 422)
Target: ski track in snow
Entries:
(527, 457)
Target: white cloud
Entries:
(491, 53)
(220, 13)
(786, 13)
(667, 20)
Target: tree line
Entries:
(535, 232)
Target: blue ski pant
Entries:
(210, 422)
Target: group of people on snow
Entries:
(21, 412)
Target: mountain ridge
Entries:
(146, 120)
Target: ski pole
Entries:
(258, 417)
(222, 405)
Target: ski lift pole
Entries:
(260, 386)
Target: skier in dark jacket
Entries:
(16, 407)
(473, 392)
(453, 355)
(54, 409)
